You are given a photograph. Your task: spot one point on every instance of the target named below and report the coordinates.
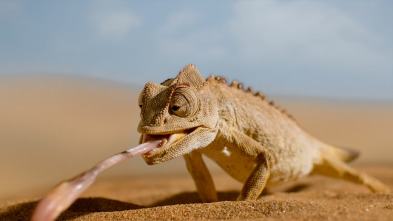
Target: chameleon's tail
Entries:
(342, 154)
(333, 164)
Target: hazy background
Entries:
(335, 49)
(71, 71)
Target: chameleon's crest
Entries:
(190, 74)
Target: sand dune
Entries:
(52, 128)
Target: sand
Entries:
(173, 198)
(53, 128)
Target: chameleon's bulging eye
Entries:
(184, 102)
(175, 108)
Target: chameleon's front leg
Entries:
(256, 182)
(202, 178)
(264, 161)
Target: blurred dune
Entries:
(54, 127)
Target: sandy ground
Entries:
(174, 198)
(52, 128)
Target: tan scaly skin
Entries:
(251, 139)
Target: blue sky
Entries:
(330, 49)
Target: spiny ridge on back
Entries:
(221, 79)
(240, 86)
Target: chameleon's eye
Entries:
(184, 102)
(175, 108)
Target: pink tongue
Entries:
(63, 195)
(147, 138)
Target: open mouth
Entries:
(166, 140)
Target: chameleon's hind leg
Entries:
(338, 169)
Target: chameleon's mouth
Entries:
(167, 140)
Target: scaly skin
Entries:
(251, 139)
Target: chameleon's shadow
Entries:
(297, 188)
(193, 197)
(82, 206)
(23, 211)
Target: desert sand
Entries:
(52, 128)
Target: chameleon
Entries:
(254, 141)
(250, 138)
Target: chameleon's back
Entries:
(293, 149)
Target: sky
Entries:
(324, 49)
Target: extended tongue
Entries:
(63, 195)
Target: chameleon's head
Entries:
(181, 111)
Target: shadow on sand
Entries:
(82, 206)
